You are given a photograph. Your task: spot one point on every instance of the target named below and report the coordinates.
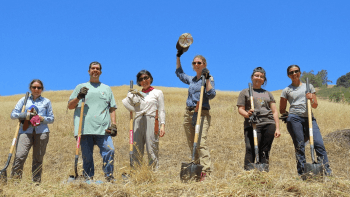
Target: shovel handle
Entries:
(309, 115)
(80, 125)
(131, 131)
(197, 128)
(19, 124)
(251, 96)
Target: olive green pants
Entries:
(202, 155)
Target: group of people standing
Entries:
(99, 119)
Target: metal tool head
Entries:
(258, 166)
(190, 171)
(307, 85)
(312, 170)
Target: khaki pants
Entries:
(144, 135)
(25, 142)
(202, 155)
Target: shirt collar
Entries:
(39, 98)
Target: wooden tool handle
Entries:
(197, 128)
(19, 124)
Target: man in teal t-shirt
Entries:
(99, 122)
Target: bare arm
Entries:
(73, 103)
(112, 114)
(275, 117)
(178, 62)
(242, 112)
(313, 99)
(283, 105)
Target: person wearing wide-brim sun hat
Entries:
(199, 65)
(149, 121)
(268, 125)
(33, 132)
(297, 119)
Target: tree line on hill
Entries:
(338, 93)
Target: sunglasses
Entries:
(144, 78)
(37, 87)
(293, 72)
(199, 63)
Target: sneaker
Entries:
(203, 175)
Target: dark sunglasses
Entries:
(199, 63)
(144, 78)
(37, 87)
(293, 72)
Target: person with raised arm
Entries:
(199, 65)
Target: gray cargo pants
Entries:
(25, 142)
(144, 135)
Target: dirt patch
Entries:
(340, 137)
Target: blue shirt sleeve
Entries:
(18, 109)
(211, 93)
(182, 76)
(48, 117)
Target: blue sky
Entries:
(56, 40)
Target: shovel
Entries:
(259, 166)
(125, 176)
(74, 177)
(191, 170)
(314, 168)
(3, 173)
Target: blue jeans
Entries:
(298, 128)
(105, 143)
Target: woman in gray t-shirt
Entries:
(268, 127)
(297, 120)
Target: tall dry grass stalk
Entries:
(225, 141)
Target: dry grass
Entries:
(226, 146)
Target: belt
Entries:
(193, 108)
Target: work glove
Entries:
(112, 130)
(254, 118)
(180, 52)
(136, 92)
(206, 72)
(26, 115)
(284, 117)
(82, 93)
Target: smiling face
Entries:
(145, 81)
(95, 71)
(258, 79)
(294, 73)
(36, 88)
(198, 65)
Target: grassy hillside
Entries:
(335, 94)
(225, 141)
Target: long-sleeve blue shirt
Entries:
(45, 110)
(194, 90)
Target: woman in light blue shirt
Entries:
(33, 131)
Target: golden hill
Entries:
(225, 141)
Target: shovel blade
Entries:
(259, 166)
(312, 170)
(190, 171)
(3, 176)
